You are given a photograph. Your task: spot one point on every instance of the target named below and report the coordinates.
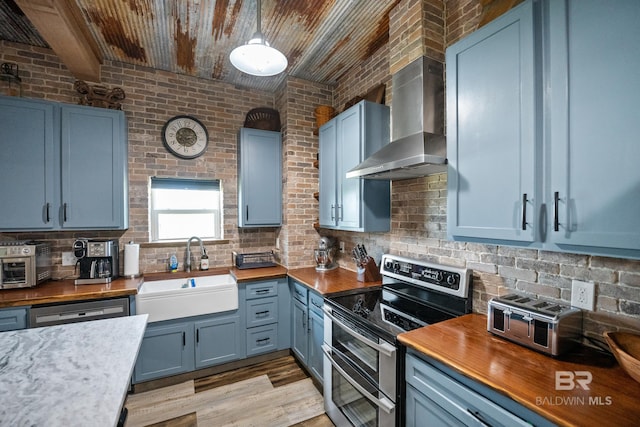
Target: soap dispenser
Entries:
(204, 261)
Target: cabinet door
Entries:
(29, 164)
(94, 168)
(420, 411)
(316, 337)
(594, 89)
(327, 174)
(13, 319)
(165, 350)
(300, 334)
(217, 341)
(491, 132)
(260, 178)
(348, 157)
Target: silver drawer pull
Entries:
(384, 348)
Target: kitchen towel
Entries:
(131, 259)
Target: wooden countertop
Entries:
(332, 281)
(528, 377)
(65, 291)
(328, 282)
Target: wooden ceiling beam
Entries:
(60, 23)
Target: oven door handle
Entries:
(385, 404)
(384, 348)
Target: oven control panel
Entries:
(451, 280)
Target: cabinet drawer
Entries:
(316, 301)
(262, 289)
(457, 400)
(262, 312)
(13, 319)
(300, 292)
(262, 339)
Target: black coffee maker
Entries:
(98, 260)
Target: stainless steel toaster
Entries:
(545, 326)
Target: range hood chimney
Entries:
(418, 146)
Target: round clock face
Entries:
(185, 137)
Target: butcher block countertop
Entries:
(529, 377)
(330, 282)
(65, 291)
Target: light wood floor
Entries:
(276, 393)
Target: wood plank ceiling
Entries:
(322, 39)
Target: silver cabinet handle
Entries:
(385, 404)
(64, 212)
(385, 348)
(333, 215)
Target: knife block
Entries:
(369, 272)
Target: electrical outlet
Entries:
(277, 243)
(68, 258)
(341, 247)
(583, 294)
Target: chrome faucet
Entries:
(187, 264)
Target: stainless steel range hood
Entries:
(418, 146)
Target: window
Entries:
(181, 208)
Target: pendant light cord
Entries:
(259, 16)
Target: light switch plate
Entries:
(583, 294)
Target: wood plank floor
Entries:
(276, 393)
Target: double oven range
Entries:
(363, 363)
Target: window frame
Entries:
(184, 184)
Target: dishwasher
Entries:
(58, 314)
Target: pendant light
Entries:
(257, 57)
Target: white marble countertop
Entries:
(68, 375)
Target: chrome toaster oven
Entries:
(24, 264)
(545, 326)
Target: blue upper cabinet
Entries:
(29, 164)
(68, 164)
(94, 168)
(353, 204)
(542, 128)
(491, 135)
(259, 178)
(594, 147)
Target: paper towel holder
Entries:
(132, 260)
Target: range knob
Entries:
(388, 264)
(439, 276)
(451, 279)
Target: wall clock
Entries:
(185, 137)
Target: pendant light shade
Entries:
(257, 57)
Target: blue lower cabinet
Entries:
(177, 346)
(437, 395)
(307, 328)
(167, 349)
(12, 319)
(217, 341)
(315, 360)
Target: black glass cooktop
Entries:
(399, 307)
